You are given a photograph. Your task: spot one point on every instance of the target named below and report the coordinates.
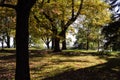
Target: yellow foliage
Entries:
(96, 11)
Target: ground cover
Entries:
(66, 65)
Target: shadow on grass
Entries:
(7, 57)
(80, 53)
(7, 66)
(6, 73)
(72, 54)
(106, 71)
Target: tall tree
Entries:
(93, 19)
(111, 31)
(22, 8)
(40, 28)
(7, 24)
(61, 15)
(111, 34)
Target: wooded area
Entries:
(36, 27)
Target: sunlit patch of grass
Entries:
(51, 65)
(77, 50)
(115, 53)
(8, 49)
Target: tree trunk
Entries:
(2, 42)
(57, 45)
(64, 41)
(98, 45)
(55, 40)
(53, 43)
(47, 43)
(22, 34)
(8, 41)
(14, 42)
(64, 45)
(87, 44)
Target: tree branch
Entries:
(75, 16)
(79, 10)
(72, 8)
(7, 5)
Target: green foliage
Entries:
(7, 25)
(111, 33)
(39, 29)
(97, 12)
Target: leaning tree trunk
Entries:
(22, 54)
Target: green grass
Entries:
(61, 66)
(78, 50)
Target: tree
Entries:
(111, 31)
(111, 34)
(94, 11)
(22, 9)
(61, 15)
(7, 24)
(40, 28)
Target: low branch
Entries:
(7, 5)
(48, 17)
(36, 18)
(38, 21)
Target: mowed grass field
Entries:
(66, 65)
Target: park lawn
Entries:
(66, 65)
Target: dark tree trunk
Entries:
(64, 41)
(22, 8)
(87, 44)
(56, 40)
(57, 45)
(22, 54)
(8, 41)
(53, 43)
(14, 42)
(98, 44)
(22, 37)
(2, 42)
(47, 43)
(64, 45)
(87, 36)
